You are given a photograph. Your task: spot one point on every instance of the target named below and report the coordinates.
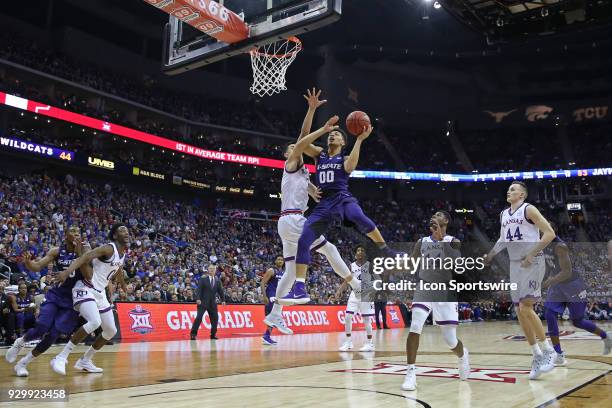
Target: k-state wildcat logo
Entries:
(141, 320)
(499, 375)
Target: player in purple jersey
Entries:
(566, 289)
(269, 283)
(57, 315)
(337, 203)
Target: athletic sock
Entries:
(89, 353)
(411, 366)
(535, 349)
(67, 350)
(545, 345)
(557, 348)
(25, 360)
(276, 309)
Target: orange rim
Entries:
(298, 48)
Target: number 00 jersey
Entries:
(519, 233)
(103, 271)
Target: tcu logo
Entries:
(141, 320)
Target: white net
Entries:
(270, 63)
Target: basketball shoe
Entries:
(11, 354)
(297, 295)
(368, 347)
(464, 365)
(276, 321)
(560, 359)
(410, 382)
(58, 364)
(348, 345)
(87, 365)
(267, 340)
(21, 370)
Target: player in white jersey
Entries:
(89, 297)
(438, 245)
(359, 270)
(295, 189)
(521, 227)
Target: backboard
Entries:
(186, 48)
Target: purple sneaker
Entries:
(267, 340)
(297, 296)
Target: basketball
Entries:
(356, 121)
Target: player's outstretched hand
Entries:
(331, 123)
(312, 96)
(366, 132)
(314, 192)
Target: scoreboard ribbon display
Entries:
(36, 149)
(97, 124)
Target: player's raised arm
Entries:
(534, 215)
(105, 251)
(36, 266)
(352, 160)
(312, 97)
(307, 140)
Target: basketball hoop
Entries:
(270, 63)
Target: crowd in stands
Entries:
(173, 242)
(531, 147)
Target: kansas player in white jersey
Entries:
(525, 233)
(359, 270)
(89, 297)
(295, 189)
(438, 245)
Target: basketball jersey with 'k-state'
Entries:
(103, 271)
(294, 189)
(519, 233)
(330, 172)
(273, 282)
(63, 261)
(432, 249)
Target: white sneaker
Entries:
(560, 360)
(607, 345)
(548, 360)
(348, 345)
(536, 365)
(58, 364)
(410, 383)
(368, 347)
(277, 322)
(21, 370)
(13, 352)
(464, 365)
(87, 365)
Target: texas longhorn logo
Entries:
(537, 112)
(141, 320)
(499, 116)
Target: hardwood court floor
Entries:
(305, 370)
